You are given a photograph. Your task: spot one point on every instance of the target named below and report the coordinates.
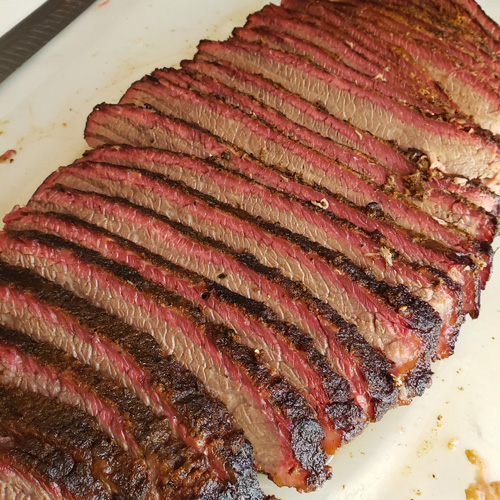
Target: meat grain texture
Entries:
(262, 252)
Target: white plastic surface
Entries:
(43, 107)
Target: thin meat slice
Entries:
(279, 424)
(403, 21)
(364, 368)
(302, 112)
(296, 215)
(470, 86)
(266, 143)
(336, 40)
(128, 124)
(274, 37)
(450, 146)
(427, 26)
(25, 415)
(437, 203)
(284, 348)
(49, 313)
(389, 318)
(31, 468)
(259, 139)
(412, 166)
(463, 18)
(177, 471)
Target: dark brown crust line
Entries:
(306, 432)
(29, 415)
(342, 408)
(418, 314)
(181, 471)
(44, 471)
(204, 417)
(374, 365)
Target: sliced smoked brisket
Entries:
(49, 313)
(277, 421)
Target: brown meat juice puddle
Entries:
(481, 489)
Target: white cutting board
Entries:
(43, 107)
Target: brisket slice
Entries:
(412, 166)
(274, 35)
(403, 21)
(176, 470)
(265, 142)
(406, 75)
(470, 87)
(286, 349)
(276, 420)
(350, 355)
(31, 468)
(454, 38)
(395, 320)
(26, 414)
(390, 318)
(291, 213)
(356, 160)
(302, 112)
(459, 20)
(438, 204)
(292, 157)
(450, 146)
(479, 21)
(127, 124)
(51, 314)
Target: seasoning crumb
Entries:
(452, 443)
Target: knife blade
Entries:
(35, 31)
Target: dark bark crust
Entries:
(343, 410)
(28, 415)
(306, 446)
(204, 417)
(417, 313)
(375, 365)
(181, 471)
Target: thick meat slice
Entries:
(406, 75)
(275, 418)
(412, 166)
(349, 354)
(290, 156)
(469, 84)
(297, 216)
(450, 146)
(27, 414)
(177, 471)
(438, 204)
(49, 313)
(136, 126)
(389, 318)
(286, 349)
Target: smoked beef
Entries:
(265, 251)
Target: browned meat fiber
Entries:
(264, 251)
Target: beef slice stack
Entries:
(264, 250)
